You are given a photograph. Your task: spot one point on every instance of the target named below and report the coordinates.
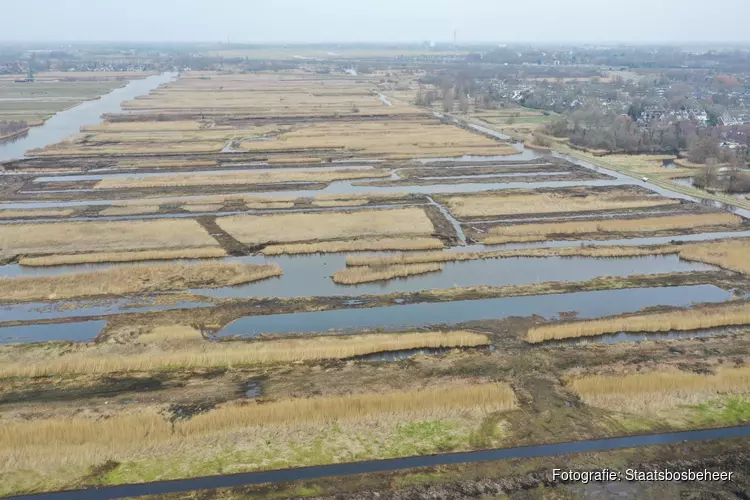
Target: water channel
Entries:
(69, 122)
(387, 465)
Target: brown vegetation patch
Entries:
(36, 213)
(129, 210)
(729, 254)
(243, 178)
(183, 347)
(95, 258)
(129, 280)
(355, 275)
(679, 320)
(556, 230)
(530, 202)
(654, 391)
(358, 245)
(300, 227)
(592, 251)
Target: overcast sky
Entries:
(293, 21)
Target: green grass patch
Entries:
(732, 411)
(333, 443)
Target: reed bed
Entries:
(103, 236)
(96, 258)
(340, 203)
(728, 254)
(355, 275)
(531, 203)
(182, 347)
(129, 280)
(208, 207)
(242, 178)
(594, 251)
(358, 245)
(680, 320)
(654, 391)
(149, 428)
(271, 205)
(540, 232)
(129, 210)
(309, 227)
(34, 213)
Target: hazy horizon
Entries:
(388, 21)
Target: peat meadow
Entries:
(306, 262)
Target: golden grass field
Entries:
(144, 255)
(312, 227)
(239, 178)
(102, 236)
(182, 347)
(357, 245)
(355, 275)
(728, 314)
(544, 231)
(135, 279)
(532, 203)
(594, 251)
(654, 391)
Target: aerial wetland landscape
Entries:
(221, 271)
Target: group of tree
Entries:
(595, 127)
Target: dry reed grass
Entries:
(214, 207)
(358, 245)
(728, 254)
(304, 227)
(243, 178)
(129, 280)
(355, 275)
(530, 202)
(182, 347)
(165, 163)
(680, 320)
(656, 391)
(340, 203)
(129, 210)
(34, 213)
(95, 258)
(148, 429)
(595, 251)
(103, 236)
(273, 205)
(543, 231)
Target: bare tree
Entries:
(463, 103)
(448, 100)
